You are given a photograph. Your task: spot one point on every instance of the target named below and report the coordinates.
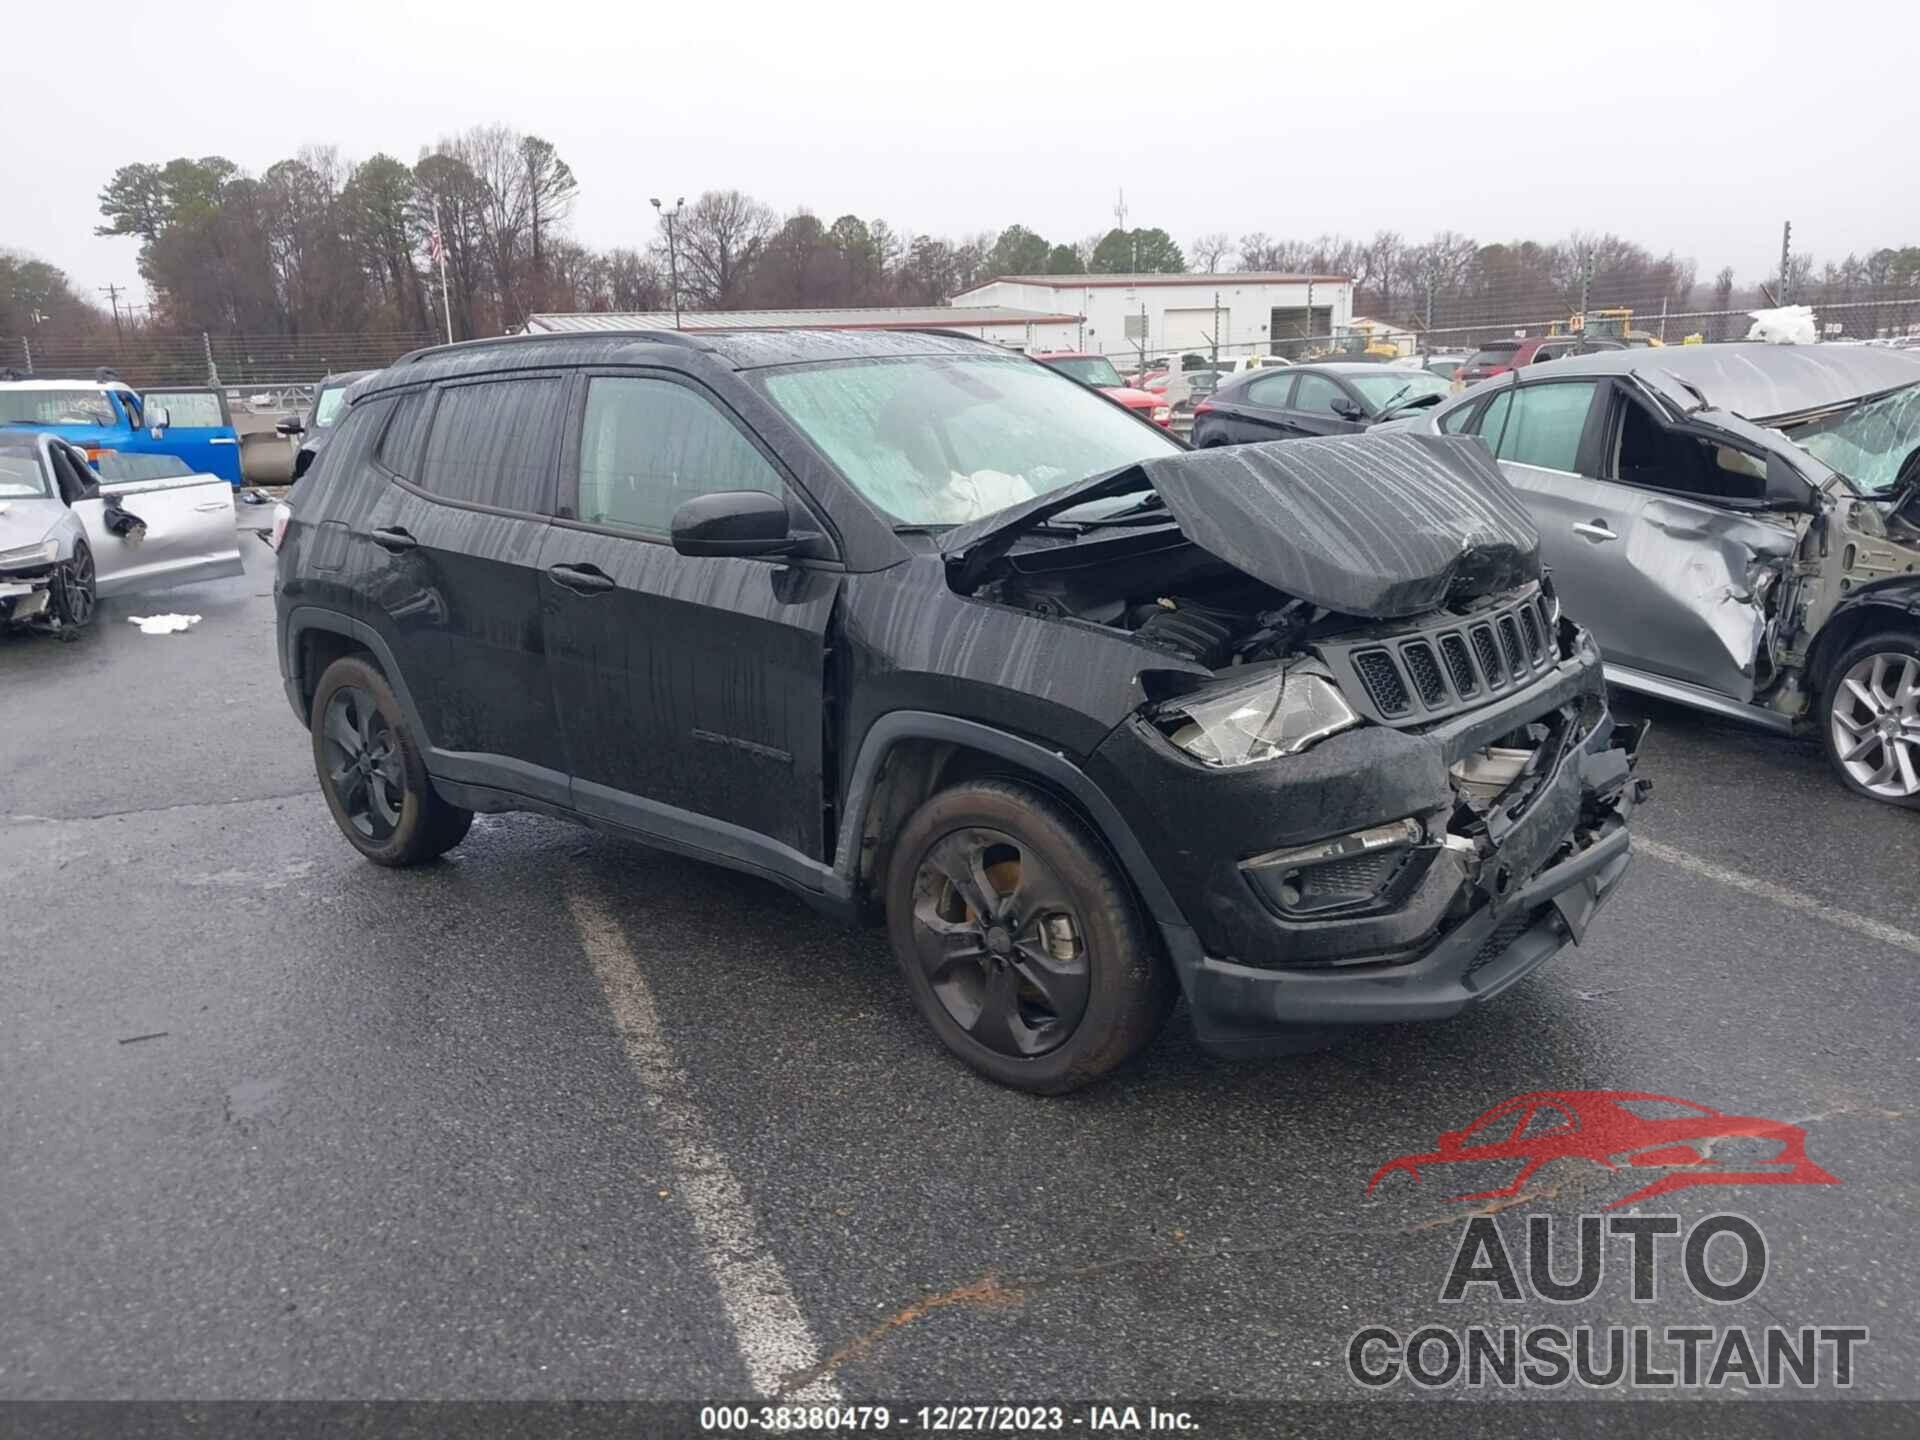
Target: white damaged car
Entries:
(70, 535)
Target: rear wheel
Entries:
(1870, 718)
(1021, 944)
(75, 592)
(371, 772)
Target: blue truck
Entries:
(103, 414)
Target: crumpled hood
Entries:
(1379, 525)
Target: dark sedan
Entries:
(1335, 399)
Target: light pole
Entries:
(673, 255)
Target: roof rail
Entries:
(656, 337)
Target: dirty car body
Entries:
(1313, 700)
(62, 524)
(1694, 513)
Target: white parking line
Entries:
(1780, 895)
(767, 1324)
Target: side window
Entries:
(401, 442)
(649, 446)
(1455, 421)
(1270, 390)
(1647, 453)
(1543, 424)
(1316, 395)
(1545, 1120)
(493, 443)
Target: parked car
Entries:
(1444, 363)
(924, 632)
(69, 536)
(1240, 364)
(1497, 357)
(104, 414)
(1339, 398)
(313, 428)
(1738, 525)
(1099, 372)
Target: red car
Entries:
(1624, 1129)
(1497, 357)
(1098, 371)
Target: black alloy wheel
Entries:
(1021, 941)
(371, 771)
(996, 934)
(361, 754)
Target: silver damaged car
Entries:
(1738, 526)
(71, 534)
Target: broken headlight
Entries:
(1281, 714)
(45, 553)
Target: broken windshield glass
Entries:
(1871, 444)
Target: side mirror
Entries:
(1786, 488)
(1347, 409)
(158, 420)
(733, 522)
(291, 427)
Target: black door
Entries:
(452, 584)
(1321, 405)
(1249, 413)
(690, 688)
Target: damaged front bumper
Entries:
(25, 597)
(1465, 917)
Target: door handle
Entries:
(211, 506)
(396, 540)
(581, 579)
(1595, 530)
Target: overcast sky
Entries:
(1686, 126)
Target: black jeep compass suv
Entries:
(932, 635)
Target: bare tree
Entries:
(550, 188)
(719, 238)
(1207, 251)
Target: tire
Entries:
(1870, 728)
(76, 593)
(385, 805)
(975, 967)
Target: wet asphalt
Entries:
(277, 1123)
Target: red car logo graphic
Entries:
(1623, 1129)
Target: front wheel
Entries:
(75, 592)
(1021, 944)
(371, 772)
(1870, 718)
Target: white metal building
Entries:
(1015, 328)
(1248, 312)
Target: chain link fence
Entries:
(243, 362)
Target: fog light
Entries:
(1353, 872)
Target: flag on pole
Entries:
(435, 252)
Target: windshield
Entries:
(189, 408)
(1869, 444)
(117, 466)
(1089, 370)
(941, 441)
(56, 407)
(1492, 355)
(1397, 387)
(329, 407)
(21, 478)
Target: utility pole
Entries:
(1586, 286)
(112, 292)
(1786, 257)
(439, 248)
(1216, 329)
(673, 254)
